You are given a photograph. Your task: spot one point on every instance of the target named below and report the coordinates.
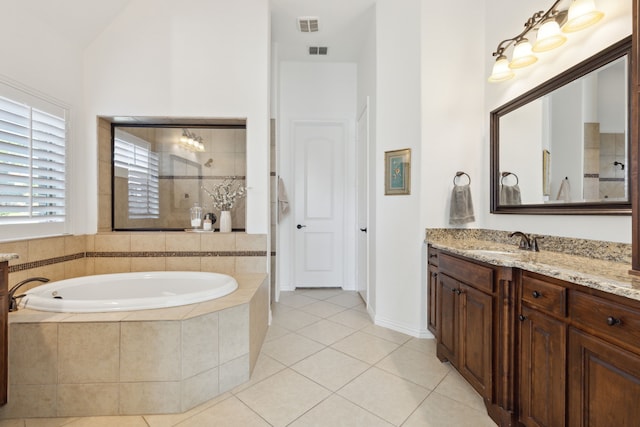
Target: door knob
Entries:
(299, 226)
(364, 229)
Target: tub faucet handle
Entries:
(13, 300)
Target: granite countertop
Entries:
(7, 257)
(608, 276)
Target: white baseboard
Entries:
(405, 329)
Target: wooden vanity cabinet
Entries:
(603, 360)
(579, 355)
(539, 350)
(432, 289)
(466, 320)
(604, 382)
(542, 368)
(475, 318)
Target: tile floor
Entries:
(324, 363)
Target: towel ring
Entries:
(459, 174)
(506, 174)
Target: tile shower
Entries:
(604, 164)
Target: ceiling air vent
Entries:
(318, 50)
(308, 24)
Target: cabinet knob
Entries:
(522, 318)
(536, 294)
(612, 321)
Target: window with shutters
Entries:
(33, 135)
(133, 159)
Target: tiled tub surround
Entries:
(595, 264)
(140, 362)
(66, 257)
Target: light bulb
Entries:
(549, 36)
(501, 70)
(582, 14)
(522, 55)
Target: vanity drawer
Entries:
(607, 319)
(478, 276)
(432, 256)
(545, 296)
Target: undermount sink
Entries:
(491, 252)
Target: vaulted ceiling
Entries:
(342, 23)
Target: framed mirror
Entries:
(159, 171)
(563, 147)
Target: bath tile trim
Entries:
(44, 262)
(51, 261)
(175, 254)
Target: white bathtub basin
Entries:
(129, 291)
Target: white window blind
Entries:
(32, 163)
(134, 155)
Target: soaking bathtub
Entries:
(133, 361)
(128, 291)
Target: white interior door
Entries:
(362, 239)
(319, 149)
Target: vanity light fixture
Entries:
(549, 25)
(549, 36)
(191, 141)
(582, 14)
(501, 70)
(522, 54)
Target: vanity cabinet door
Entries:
(542, 369)
(604, 383)
(447, 332)
(432, 299)
(476, 343)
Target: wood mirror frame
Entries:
(635, 140)
(608, 55)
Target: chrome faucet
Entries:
(13, 300)
(527, 243)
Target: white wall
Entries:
(453, 117)
(36, 58)
(315, 91)
(398, 229)
(193, 58)
(504, 18)
(612, 115)
(521, 143)
(567, 140)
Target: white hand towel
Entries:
(510, 195)
(283, 201)
(461, 205)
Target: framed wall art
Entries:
(397, 169)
